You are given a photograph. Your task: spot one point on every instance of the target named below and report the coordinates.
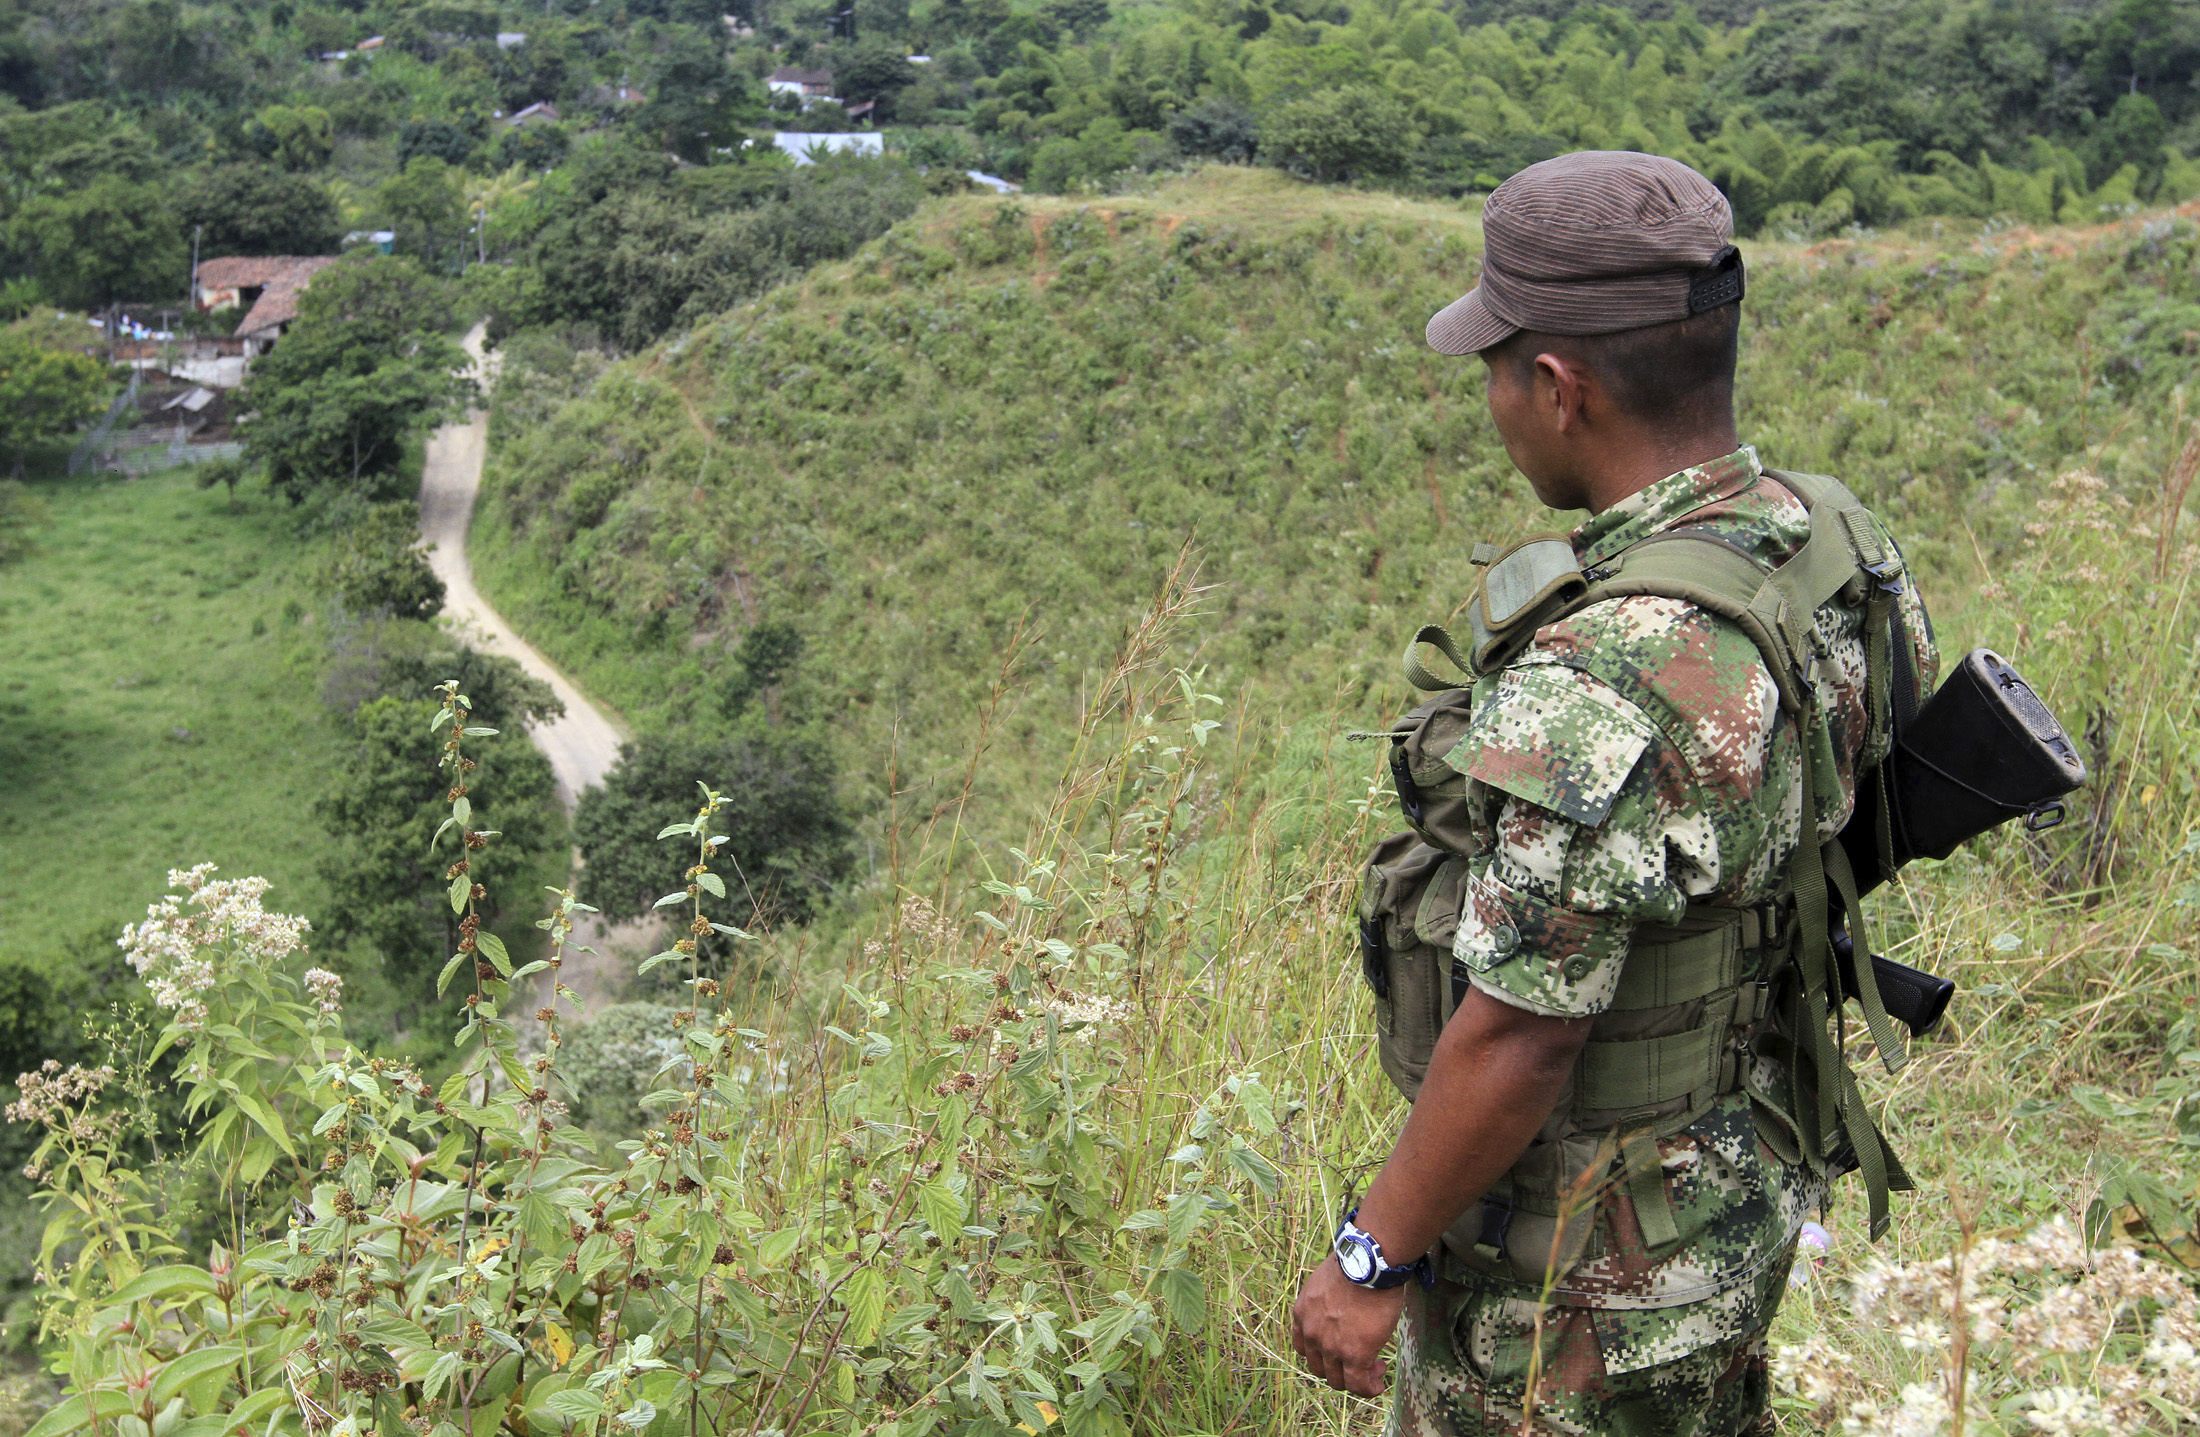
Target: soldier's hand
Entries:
(1339, 1330)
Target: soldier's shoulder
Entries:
(1695, 678)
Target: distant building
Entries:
(994, 183)
(266, 287)
(383, 241)
(804, 146)
(196, 409)
(863, 111)
(807, 85)
(511, 39)
(540, 112)
(369, 45)
(625, 94)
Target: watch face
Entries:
(1358, 1263)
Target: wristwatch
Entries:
(1361, 1258)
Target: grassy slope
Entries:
(1002, 411)
(157, 707)
(905, 451)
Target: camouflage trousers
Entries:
(1465, 1354)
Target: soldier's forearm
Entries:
(1494, 1077)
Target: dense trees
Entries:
(386, 885)
(44, 392)
(147, 121)
(365, 367)
(256, 209)
(785, 831)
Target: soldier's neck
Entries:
(1635, 461)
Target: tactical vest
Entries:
(1727, 999)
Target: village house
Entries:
(541, 112)
(265, 287)
(807, 85)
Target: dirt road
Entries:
(584, 744)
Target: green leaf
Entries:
(1186, 1296)
(1258, 1105)
(477, 731)
(190, 1367)
(640, 1415)
(443, 979)
(577, 1403)
(164, 1282)
(712, 884)
(656, 958)
(941, 1207)
(676, 828)
(462, 809)
(492, 947)
(78, 1412)
(671, 898)
(865, 1295)
(269, 1123)
(461, 888)
(777, 1247)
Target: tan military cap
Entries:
(1593, 243)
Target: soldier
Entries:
(1634, 791)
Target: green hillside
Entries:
(1005, 418)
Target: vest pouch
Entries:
(1410, 896)
(1431, 793)
(1518, 1233)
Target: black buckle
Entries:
(1886, 575)
(1718, 283)
(2048, 815)
(1373, 952)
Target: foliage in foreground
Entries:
(1052, 1164)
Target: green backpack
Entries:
(1727, 999)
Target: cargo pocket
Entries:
(1410, 897)
(1431, 793)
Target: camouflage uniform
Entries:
(1632, 761)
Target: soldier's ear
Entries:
(1561, 389)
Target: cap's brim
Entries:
(1467, 326)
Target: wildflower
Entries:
(326, 989)
(174, 949)
(1083, 1013)
(2065, 1411)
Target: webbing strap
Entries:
(1642, 1072)
(1439, 638)
(1885, 1038)
(1645, 1168)
(1689, 965)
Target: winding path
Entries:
(584, 744)
(581, 746)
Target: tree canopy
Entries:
(365, 367)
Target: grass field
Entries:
(1002, 414)
(159, 705)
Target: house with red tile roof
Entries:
(266, 287)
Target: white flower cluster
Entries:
(175, 948)
(61, 1099)
(1085, 1012)
(2040, 1311)
(326, 989)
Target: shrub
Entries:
(786, 842)
(379, 567)
(614, 1059)
(1359, 133)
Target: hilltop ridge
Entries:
(1009, 416)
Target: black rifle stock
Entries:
(1981, 751)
